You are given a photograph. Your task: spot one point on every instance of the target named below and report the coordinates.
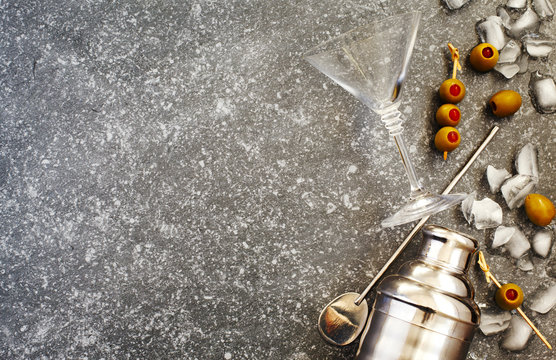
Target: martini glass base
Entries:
(425, 204)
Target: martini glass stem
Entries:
(416, 188)
(393, 122)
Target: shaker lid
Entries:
(448, 248)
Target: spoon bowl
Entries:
(341, 321)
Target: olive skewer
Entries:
(489, 277)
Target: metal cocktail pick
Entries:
(489, 276)
(343, 319)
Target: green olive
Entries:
(452, 91)
(509, 296)
(483, 57)
(448, 115)
(539, 209)
(447, 139)
(505, 103)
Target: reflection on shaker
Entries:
(426, 310)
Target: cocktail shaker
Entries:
(425, 311)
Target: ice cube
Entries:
(518, 244)
(493, 321)
(543, 93)
(496, 177)
(490, 30)
(538, 48)
(504, 16)
(517, 336)
(524, 263)
(486, 214)
(510, 52)
(542, 241)
(523, 62)
(508, 70)
(516, 188)
(528, 22)
(526, 161)
(516, 4)
(467, 206)
(543, 8)
(544, 300)
(502, 235)
(455, 4)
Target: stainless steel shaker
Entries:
(426, 310)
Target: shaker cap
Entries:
(447, 248)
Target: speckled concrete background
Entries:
(176, 182)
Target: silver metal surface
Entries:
(341, 321)
(422, 222)
(426, 310)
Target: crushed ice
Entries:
(507, 70)
(526, 161)
(485, 213)
(518, 244)
(496, 178)
(543, 93)
(523, 63)
(543, 8)
(494, 321)
(516, 4)
(467, 206)
(502, 235)
(542, 241)
(538, 48)
(504, 16)
(490, 30)
(518, 334)
(515, 189)
(525, 264)
(455, 4)
(544, 300)
(527, 23)
(510, 52)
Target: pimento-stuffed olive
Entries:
(509, 296)
(447, 139)
(452, 91)
(483, 57)
(448, 115)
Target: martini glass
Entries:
(371, 63)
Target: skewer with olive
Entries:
(451, 92)
(448, 115)
(447, 139)
(509, 296)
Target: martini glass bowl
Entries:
(371, 62)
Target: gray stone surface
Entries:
(176, 182)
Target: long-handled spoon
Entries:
(343, 319)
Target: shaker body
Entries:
(426, 311)
(398, 339)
